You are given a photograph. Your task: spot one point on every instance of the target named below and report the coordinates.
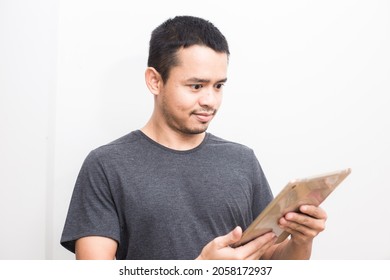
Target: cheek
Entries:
(220, 100)
(179, 104)
(187, 102)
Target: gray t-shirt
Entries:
(159, 203)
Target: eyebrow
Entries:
(198, 80)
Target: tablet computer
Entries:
(306, 191)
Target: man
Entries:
(171, 190)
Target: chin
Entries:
(195, 130)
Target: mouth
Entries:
(204, 117)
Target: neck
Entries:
(172, 139)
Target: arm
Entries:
(96, 248)
(303, 227)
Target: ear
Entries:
(153, 80)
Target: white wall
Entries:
(28, 39)
(308, 91)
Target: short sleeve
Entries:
(92, 211)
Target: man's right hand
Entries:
(219, 248)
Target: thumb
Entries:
(230, 238)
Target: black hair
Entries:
(182, 32)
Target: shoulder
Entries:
(229, 150)
(228, 145)
(123, 145)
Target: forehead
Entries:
(200, 62)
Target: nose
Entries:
(210, 98)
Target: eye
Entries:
(196, 86)
(219, 86)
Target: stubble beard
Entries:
(179, 125)
(186, 129)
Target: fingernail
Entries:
(289, 216)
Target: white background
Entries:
(308, 90)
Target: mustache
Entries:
(209, 111)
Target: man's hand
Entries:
(219, 248)
(306, 225)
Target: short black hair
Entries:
(182, 32)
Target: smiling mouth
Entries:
(204, 117)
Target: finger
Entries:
(294, 227)
(306, 220)
(313, 211)
(297, 226)
(228, 239)
(256, 247)
(257, 255)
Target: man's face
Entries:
(192, 94)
